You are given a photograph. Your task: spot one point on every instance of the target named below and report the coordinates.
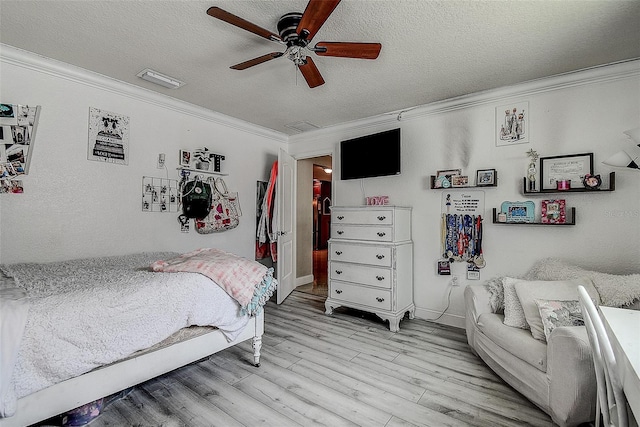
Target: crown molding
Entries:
(594, 75)
(29, 60)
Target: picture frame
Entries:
(459, 181)
(519, 211)
(553, 211)
(486, 177)
(513, 124)
(568, 167)
(443, 177)
(185, 158)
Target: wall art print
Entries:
(108, 137)
(513, 124)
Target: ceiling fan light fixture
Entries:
(160, 79)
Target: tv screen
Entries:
(370, 156)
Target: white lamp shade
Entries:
(634, 134)
(621, 159)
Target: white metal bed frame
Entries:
(110, 379)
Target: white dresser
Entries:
(371, 261)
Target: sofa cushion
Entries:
(529, 291)
(516, 341)
(555, 313)
(513, 311)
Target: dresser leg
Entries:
(412, 313)
(328, 308)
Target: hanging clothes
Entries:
(267, 233)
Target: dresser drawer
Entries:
(364, 274)
(372, 297)
(362, 216)
(362, 254)
(356, 232)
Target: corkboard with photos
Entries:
(18, 125)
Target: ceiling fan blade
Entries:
(311, 73)
(255, 61)
(314, 15)
(232, 19)
(348, 50)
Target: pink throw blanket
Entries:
(248, 282)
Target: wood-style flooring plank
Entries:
(346, 369)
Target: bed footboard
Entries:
(113, 378)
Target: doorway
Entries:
(313, 207)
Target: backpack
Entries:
(196, 199)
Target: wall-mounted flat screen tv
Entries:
(370, 156)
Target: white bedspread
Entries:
(87, 313)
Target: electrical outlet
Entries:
(454, 280)
(161, 158)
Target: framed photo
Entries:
(553, 211)
(571, 167)
(185, 158)
(443, 177)
(486, 177)
(512, 124)
(519, 211)
(459, 181)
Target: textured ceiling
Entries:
(431, 50)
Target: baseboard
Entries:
(304, 280)
(454, 320)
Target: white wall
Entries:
(73, 207)
(578, 113)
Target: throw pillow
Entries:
(529, 291)
(513, 311)
(556, 313)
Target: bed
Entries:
(76, 331)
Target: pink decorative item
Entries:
(377, 200)
(563, 184)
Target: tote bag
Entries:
(225, 209)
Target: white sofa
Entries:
(556, 375)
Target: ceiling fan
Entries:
(296, 31)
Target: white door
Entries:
(285, 195)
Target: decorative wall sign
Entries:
(108, 137)
(512, 124)
(463, 202)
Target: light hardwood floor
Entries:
(341, 370)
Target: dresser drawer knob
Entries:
(381, 233)
(379, 256)
(338, 291)
(380, 278)
(340, 232)
(338, 271)
(379, 299)
(338, 252)
(340, 217)
(382, 218)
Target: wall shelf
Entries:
(433, 182)
(571, 220)
(199, 171)
(612, 187)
